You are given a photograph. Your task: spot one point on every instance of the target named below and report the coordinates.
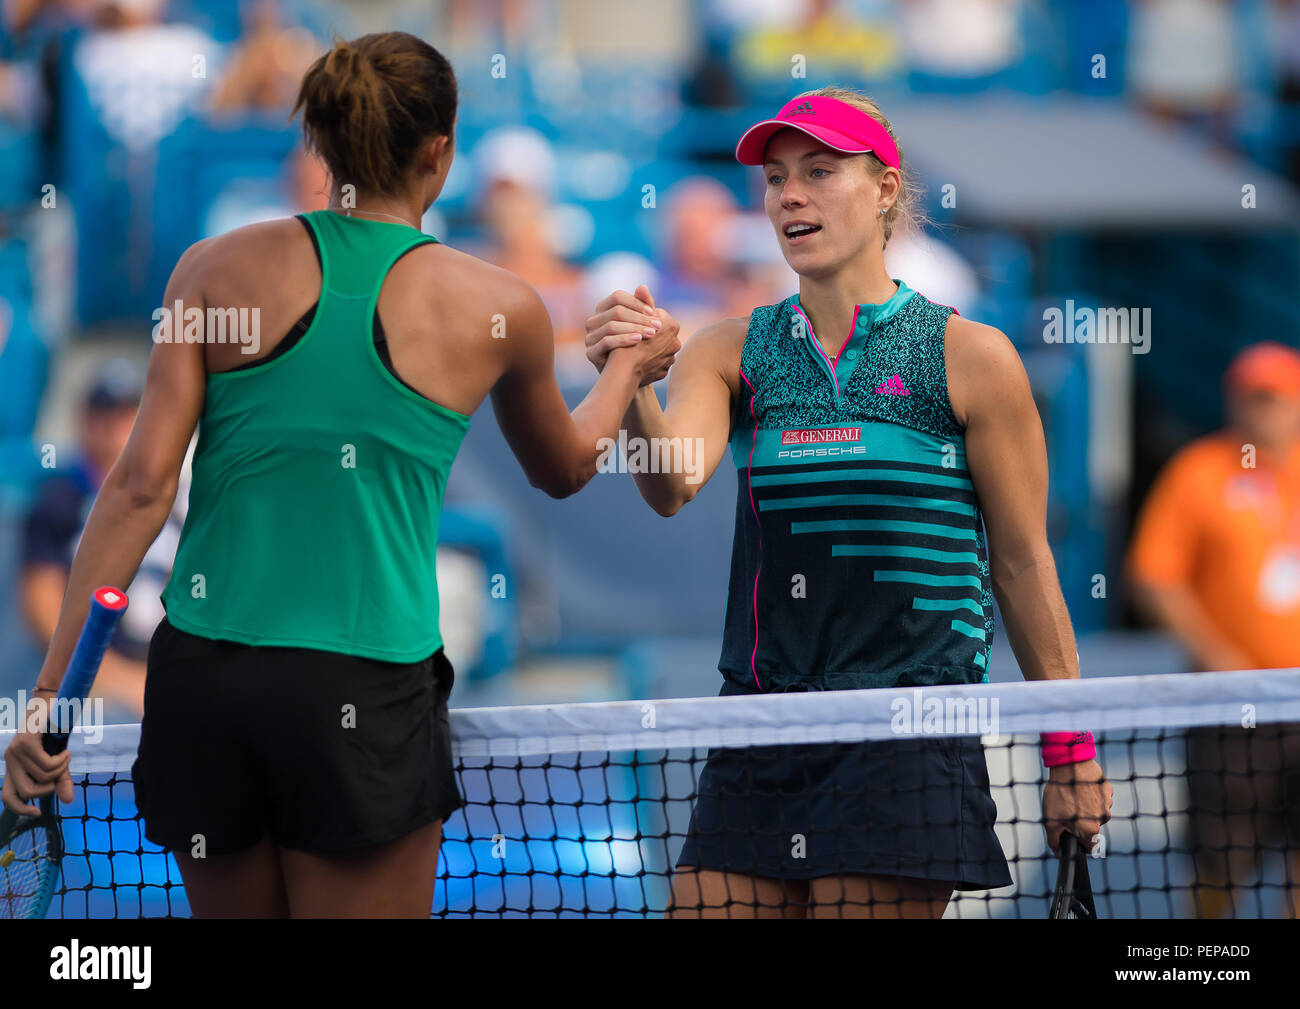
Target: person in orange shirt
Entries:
(1215, 559)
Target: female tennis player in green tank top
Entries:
(294, 751)
(877, 436)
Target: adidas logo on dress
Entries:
(893, 386)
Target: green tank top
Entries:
(318, 481)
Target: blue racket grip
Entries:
(107, 605)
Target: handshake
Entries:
(630, 323)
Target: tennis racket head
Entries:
(31, 848)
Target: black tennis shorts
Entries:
(320, 751)
(916, 807)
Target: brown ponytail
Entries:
(369, 104)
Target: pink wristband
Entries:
(1067, 748)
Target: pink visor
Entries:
(836, 124)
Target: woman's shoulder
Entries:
(720, 341)
(978, 357)
(471, 278)
(253, 261)
(251, 237)
(976, 337)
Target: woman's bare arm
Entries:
(559, 451)
(137, 495)
(1007, 457)
(129, 511)
(702, 387)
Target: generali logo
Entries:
(820, 435)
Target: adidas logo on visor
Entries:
(803, 109)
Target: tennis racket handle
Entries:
(107, 605)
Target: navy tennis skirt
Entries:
(917, 807)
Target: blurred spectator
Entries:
(834, 37)
(765, 276)
(302, 185)
(26, 23)
(620, 271)
(1215, 559)
(30, 39)
(133, 80)
(267, 65)
(517, 169)
(614, 271)
(54, 527)
(1216, 552)
(1183, 63)
(711, 82)
(960, 40)
(142, 75)
(492, 25)
(701, 281)
(21, 98)
(261, 76)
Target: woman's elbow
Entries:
(152, 496)
(1008, 566)
(140, 489)
(560, 484)
(671, 504)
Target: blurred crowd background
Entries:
(1098, 153)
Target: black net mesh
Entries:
(1204, 820)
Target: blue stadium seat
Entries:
(219, 18)
(196, 163)
(94, 171)
(482, 531)
(24, 367)
(223, 19)
(1091, 27)
(20, 159)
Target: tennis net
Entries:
(582, 810)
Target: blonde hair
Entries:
(906, 209)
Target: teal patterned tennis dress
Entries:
(859, 561)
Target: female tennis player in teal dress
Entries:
(294, 753)
(876, 435)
